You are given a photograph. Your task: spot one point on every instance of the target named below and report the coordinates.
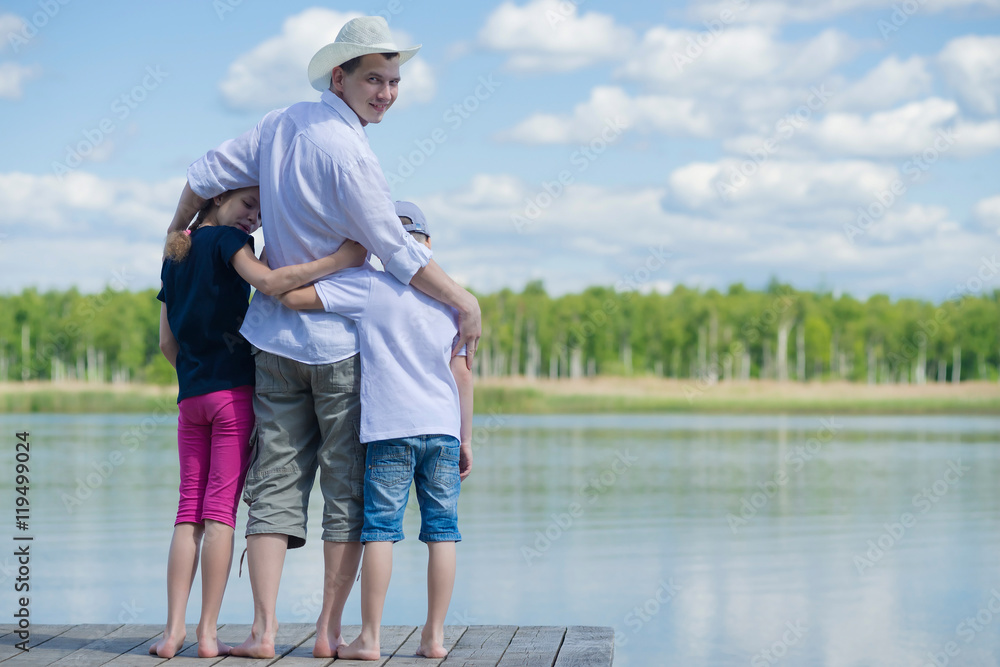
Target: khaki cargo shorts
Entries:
(307, 418)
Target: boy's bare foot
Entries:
(211, 647)
(327, 644)
(168, 646)
(359, 649)
(257, 645)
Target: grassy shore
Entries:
(591, 395)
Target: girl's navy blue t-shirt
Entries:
(206, 303)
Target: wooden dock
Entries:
(472, 646)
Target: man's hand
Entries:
(187, 208)
(465, 460)
(470, 330)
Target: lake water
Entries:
(704, 540)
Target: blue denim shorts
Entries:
(429, 461)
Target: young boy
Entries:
(416, 417)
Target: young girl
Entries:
(206, 277)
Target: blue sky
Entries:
(850, 144)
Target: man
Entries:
(320, 185)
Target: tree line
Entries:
(777, 333)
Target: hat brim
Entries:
(337, 53)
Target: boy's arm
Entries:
(168, 344)
(277, 281)
(463, 378)
(303, 298)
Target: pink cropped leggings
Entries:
(213, 442)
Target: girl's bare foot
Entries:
(210, 647)
(168, 646)
(431, 645)
(360, 649)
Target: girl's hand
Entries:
(351, 254)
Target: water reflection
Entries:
(704, 540)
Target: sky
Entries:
(847, 146)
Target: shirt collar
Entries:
(346, 112)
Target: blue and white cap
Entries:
(407, 209)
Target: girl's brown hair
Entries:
(179, 243)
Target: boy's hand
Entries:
(464, 460)
(351, 253)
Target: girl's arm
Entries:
(279, 281)
(168, 344)
(463, 378)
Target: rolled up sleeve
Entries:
(371, 221)
(233, 165)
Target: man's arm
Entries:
(435, 283)
(463, 378)
(187, 208)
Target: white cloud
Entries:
(13, 77)
(931, 125)
(987, 213)
(778, 12)
(686, 61)
(778, 188)
(550, 36)
(971, 65)
(273, 73)
(890, 82)
(611, 108)
(9, 24)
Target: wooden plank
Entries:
(302, 655)
(407, 656)
(110, 646)
(533, 646)
(391, 638)
(289, 637)
(39, 635)
(228, 634)
(481, 646)
(140, 656)
(587, 646)
(62, 645)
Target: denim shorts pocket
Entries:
(389, 465)
(446, 471)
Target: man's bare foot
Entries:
(327, 644)
(431, 646)
(257, 645)
(360, 649)
(168, 646)
(210, 647)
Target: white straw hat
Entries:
(358, 37)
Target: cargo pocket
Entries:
(358, 467)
